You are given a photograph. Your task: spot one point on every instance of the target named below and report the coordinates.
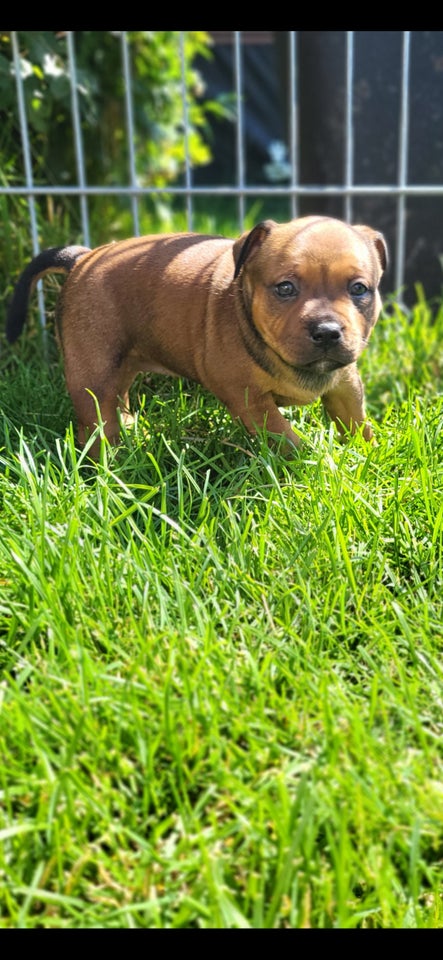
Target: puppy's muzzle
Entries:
(328, 347)
(325, 333)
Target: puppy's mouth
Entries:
(325, 364)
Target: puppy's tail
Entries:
(52, 260)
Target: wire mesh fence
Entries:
(361, 136)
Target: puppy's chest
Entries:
(301, 387)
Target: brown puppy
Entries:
(274, 318)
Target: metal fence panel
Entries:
(348, 189)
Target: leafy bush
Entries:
(157, 102)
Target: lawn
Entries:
(221, 668)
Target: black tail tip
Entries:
(14, 326)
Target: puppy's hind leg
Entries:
(96, 401)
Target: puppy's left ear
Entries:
(249, 241)
(378, 240)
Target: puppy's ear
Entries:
(378, 240)
(249, 241)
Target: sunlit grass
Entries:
(221, 694)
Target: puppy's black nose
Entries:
(325, 333)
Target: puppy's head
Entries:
(310, 289)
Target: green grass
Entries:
(221, 689)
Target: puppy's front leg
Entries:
(262, 413)
(345, 404)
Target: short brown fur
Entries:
(275, 318)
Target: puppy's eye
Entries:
(358, 289)
(285, 289)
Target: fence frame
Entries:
(348, 190)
